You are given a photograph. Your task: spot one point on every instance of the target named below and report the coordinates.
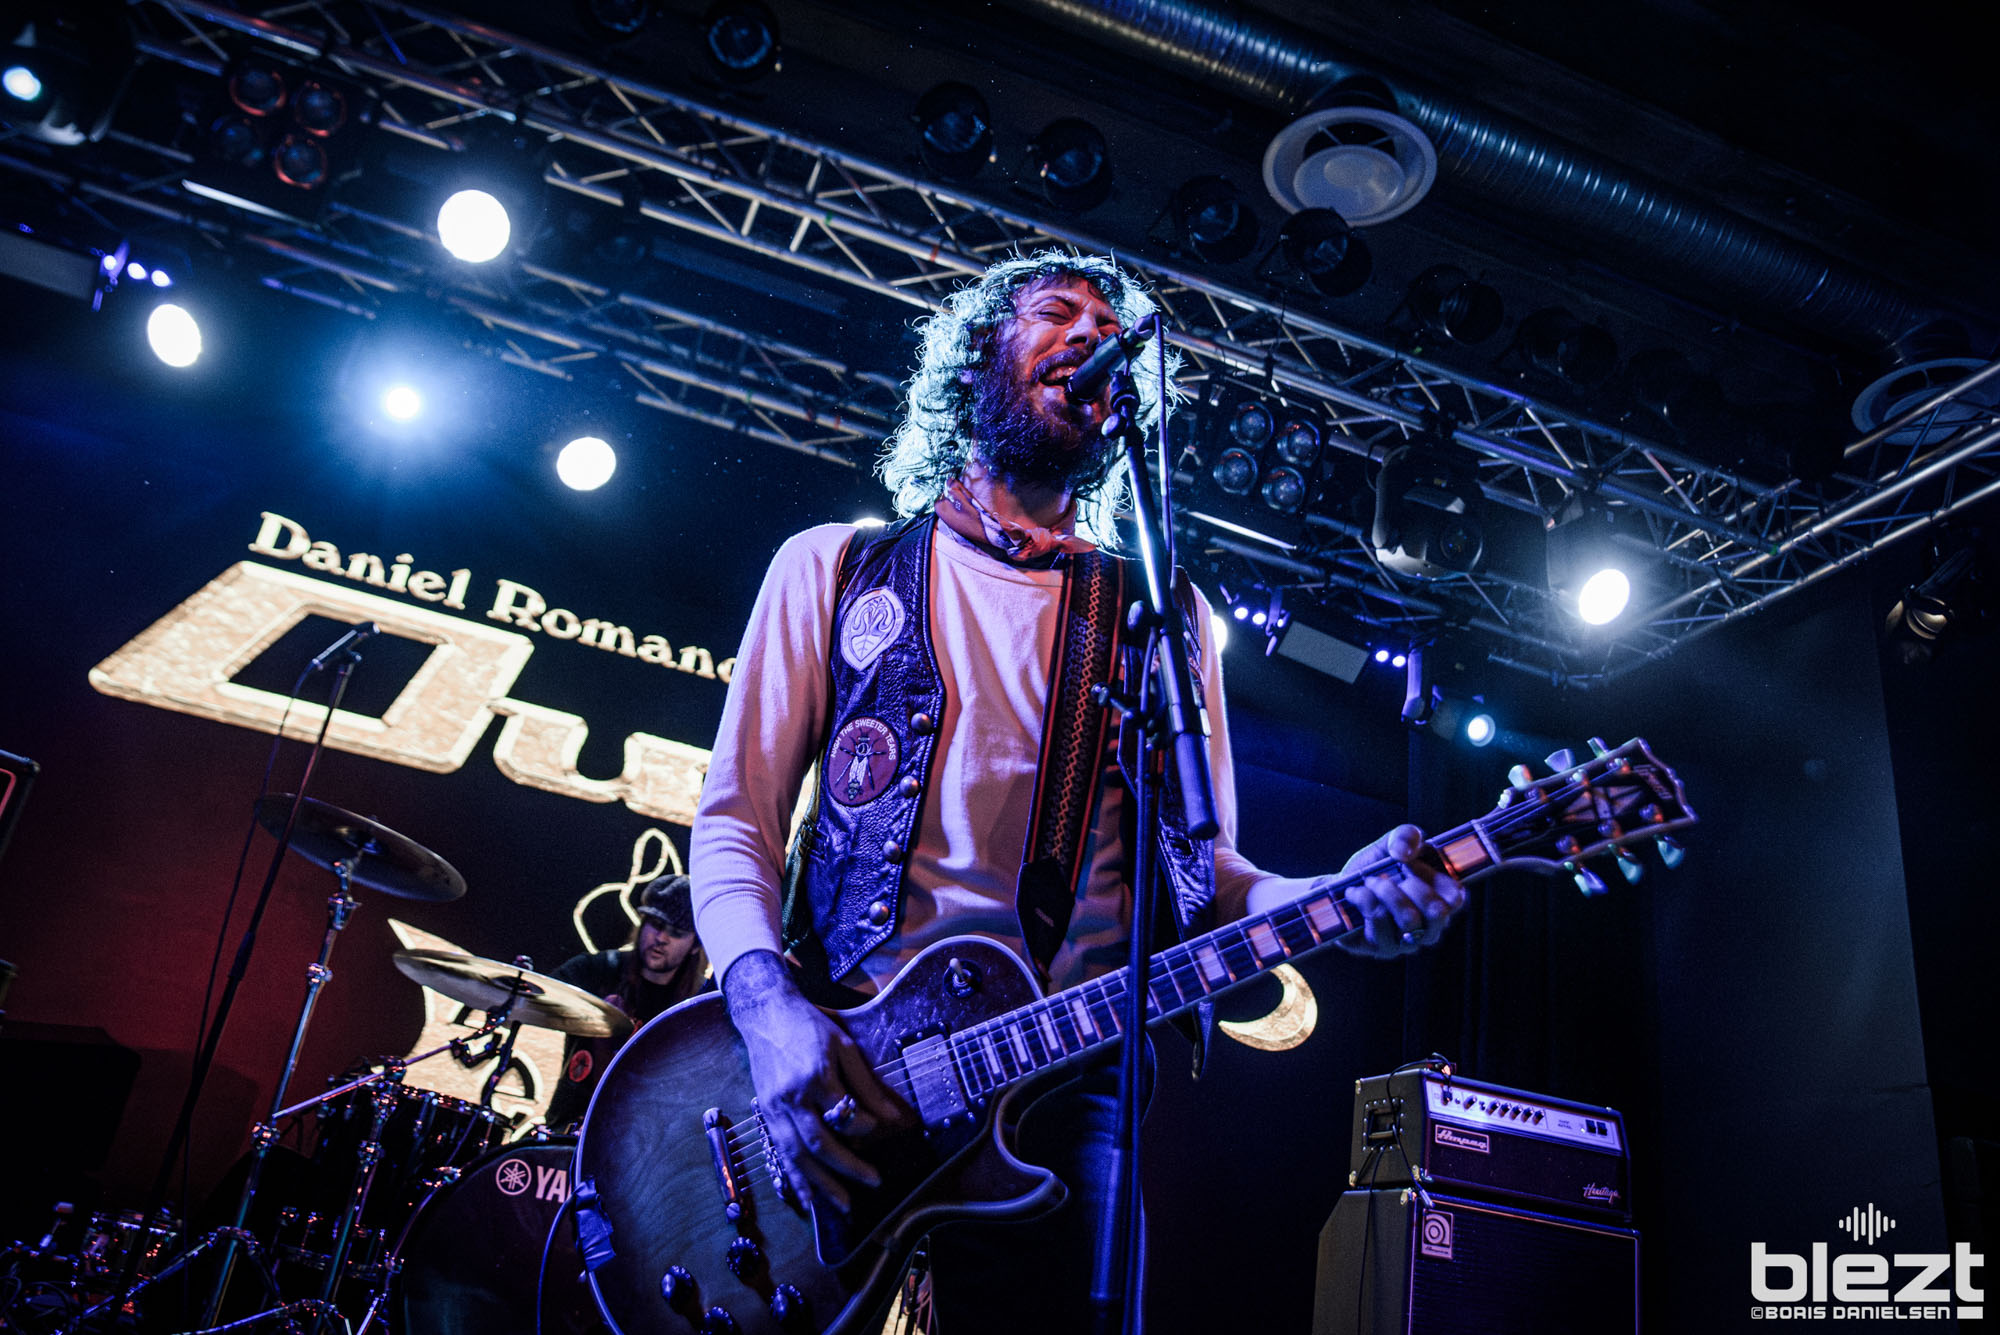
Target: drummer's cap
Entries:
(666, 902)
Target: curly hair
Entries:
(934, 440)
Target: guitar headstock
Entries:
(1606, 805)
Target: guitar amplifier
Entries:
(1394, 1263)
(1422, 1127)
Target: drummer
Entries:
(660, 966)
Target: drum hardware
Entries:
(358, 851)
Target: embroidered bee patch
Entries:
(862, 761)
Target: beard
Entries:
(1023, 445)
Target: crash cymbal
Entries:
(381, 859)
(545, 1002)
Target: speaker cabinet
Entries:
(1390, 1266)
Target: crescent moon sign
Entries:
(1289, 1024)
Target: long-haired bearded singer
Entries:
(1005, 485)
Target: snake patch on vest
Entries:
(862, 763)
(872, 624)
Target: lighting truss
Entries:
(1729, 545)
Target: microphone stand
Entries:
(1169, 712)
(349, 656)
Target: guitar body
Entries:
(651, 1157)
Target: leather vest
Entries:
(844, 874)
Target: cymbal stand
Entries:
(339, 907)
(504, 1055)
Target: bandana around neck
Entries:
(1021, 542)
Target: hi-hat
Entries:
(378, 857)
(486, 985)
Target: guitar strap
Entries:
(1070, 773)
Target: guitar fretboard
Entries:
(995, 1053)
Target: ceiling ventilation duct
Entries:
(1922, 365)
(1353, 153)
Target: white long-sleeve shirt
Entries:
(993, 627)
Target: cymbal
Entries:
(545, 1002)
(381, 859)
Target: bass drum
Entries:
(473, 1260)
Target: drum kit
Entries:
(415, 1212)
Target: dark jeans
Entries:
(1018, 1277)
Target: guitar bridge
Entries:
(716, 1127)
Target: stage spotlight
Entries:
(742, 39)
(161, 279)
(474, 226)
(1235, 472)
(277, 136)
(173, 335)
(1381, 655)
(1559, 343)
(1588, 572)
(1211, 219)
(1326, 252)
(1479, 729)
(586, 463)
(1942, 603)
(1219, 627)
(1251, 424)
(64, 68)
(1298, 442)
(21, 83)
(136, 271)
(1073, 163)
(402, 403)
(1427, 513)
(615, 18)
(1399, 660)
(1285, 489)
(1448, 304)
(954, 131)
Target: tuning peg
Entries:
(1558, 761)
(1630, 867)
(1597, 747)
(1671, 853)
(1590, 883)
(1520, 776)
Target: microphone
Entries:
(352, 640)
(1095, 371)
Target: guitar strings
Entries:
(1010, 1058)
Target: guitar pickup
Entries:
(934, 1084)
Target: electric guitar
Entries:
(685, 1230)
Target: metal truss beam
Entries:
(1725, 545)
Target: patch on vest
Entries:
(862, 763)
(873, 622)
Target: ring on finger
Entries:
(841, 1115)
(1415, 938)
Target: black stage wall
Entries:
(1755, 1013)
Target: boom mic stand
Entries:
(345, 649)
(1170, 715)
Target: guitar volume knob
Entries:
(790, 1309)
(677, 1286)
(744, 1256)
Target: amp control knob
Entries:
(717, 1321)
